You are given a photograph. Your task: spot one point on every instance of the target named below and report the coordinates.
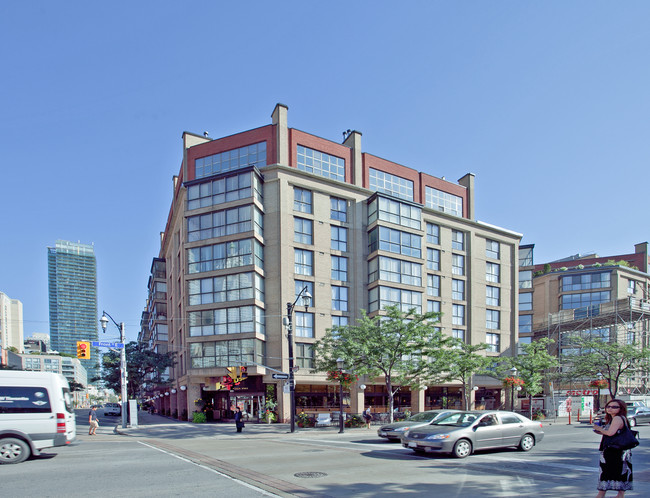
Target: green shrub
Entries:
(355, 421)
(305, 420)
(198, 418)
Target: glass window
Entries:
(492, 249)
(458, 334)
(304, 323)
(227, 353)
(526, 301)
(300, 285)
(458, 314)
(250, 155)
(631, 286)
(433, 234)
(394, 211)
(227, 222)
(525, 256)
(396, 241)
(586, 281)
(394, 270)
(457, 240)
(230, 188)
(226, 321)
(457, 264)
(525, 324)
(433, 259)
(319, 163)
(492, 272)
(494, 342)
(526, 279)
(523, 341)
(394, 185)
(339, 321)
(340, 268)
(338, 209)
(304, 355)
(443, 201)
(304, 262)
(583, 300)
(339, 298)
(492, 319)
(302, 200)
(433, 306)
(303, 231)
(380, 297)
(433, 285)
(492, 296)
(458, 289)
(339, 238)
(233, 287)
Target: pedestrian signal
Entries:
(83, 350)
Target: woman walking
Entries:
(615, 464)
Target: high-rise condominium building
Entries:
(72, 283)
(11, 323)
(260, 215)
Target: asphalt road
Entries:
(167, 458)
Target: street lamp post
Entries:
(340, 363)
(123, 377)
(512, 389)
(306, 299)
(600, 378)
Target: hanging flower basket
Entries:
(513, 382)
(599, 384)
(346, 378)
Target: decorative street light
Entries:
(123, 377)
(288, 321)
(600, 378)
(340, 364)
(512, 389)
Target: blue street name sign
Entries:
(106, 344)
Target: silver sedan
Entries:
(394, 431)
(464, 432)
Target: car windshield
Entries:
(457, 420)
(422, 417)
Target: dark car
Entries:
(464, 432)
(394, 431)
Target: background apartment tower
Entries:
(72, 282)
(11, 323)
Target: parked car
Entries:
(393, 431)
(632, 407)
(462, 433)
(112, 409)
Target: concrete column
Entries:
(280, 120)
(182, 403)
(417, 400)
(357, 399)
(284, 404)
(173, 401)
(193, 392)
(354, 142)
(468, 182)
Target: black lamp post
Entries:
(512, 388)
(306, 299)
(340, 363)
(600, 378)
(123, 374)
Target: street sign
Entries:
(282, 376)
(106, 344)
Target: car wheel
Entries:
(632, 422)
(13, 450)
(462, 448)
(527, 442)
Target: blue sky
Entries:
(547, 103)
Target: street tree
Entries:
(613, 360)
(466, 361)
(140, 360)
(405, 348)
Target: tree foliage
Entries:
(615, 361)
(466, 361)
(532, 367)
(404, 348)
(140, 360)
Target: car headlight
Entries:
(437, 436)
(406, 433)
(401, 429)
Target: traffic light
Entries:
(83, 350)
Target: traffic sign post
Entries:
(106, 344)
(282, 376)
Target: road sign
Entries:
(106, 344)
(282, 376)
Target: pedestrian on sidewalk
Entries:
(239, 419)
(367, 416)
(93, 420)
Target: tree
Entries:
(139, 362)
(403, 347)
(465, 362)
(531, 365)
(76, 386)
(615, 361)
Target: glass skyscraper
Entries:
(72, 283)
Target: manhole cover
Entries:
(310, 475)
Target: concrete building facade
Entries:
(11, 323)
(259, 215)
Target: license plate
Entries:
(413, 445)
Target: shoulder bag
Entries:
(624, 439)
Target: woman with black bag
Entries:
(615, 463)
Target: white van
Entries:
(36, 412)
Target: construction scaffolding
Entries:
(625, 321)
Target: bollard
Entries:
(590, 417)
(578, 419)
(569, 418)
